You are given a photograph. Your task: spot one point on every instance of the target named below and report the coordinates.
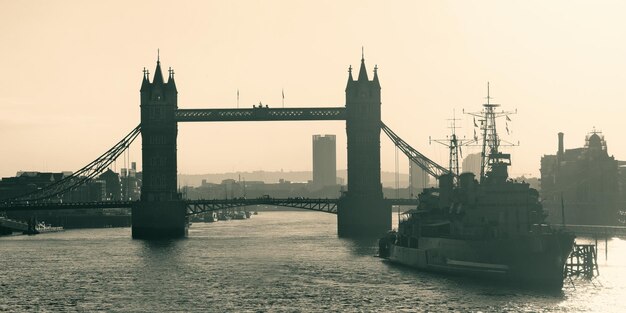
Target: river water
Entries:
(274, 262)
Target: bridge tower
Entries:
(161, 212)
(362, 210)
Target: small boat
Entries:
(224, 216)
(42, 227)
(239, 215)
(210, 217)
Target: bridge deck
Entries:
(201, 206)
(12, 224)
(198, 206)
(261, 114)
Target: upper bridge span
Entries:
(261, 114)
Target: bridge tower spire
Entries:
(161, 212)
(362, 209)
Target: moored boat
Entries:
(492, 228)
(42, 227)
(224, 216)
(210, 217)
(239, 215)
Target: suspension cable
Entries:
(421, 160)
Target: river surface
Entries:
(274, 262)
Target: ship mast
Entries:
(454, 145)
(493, 164)
(490, 135)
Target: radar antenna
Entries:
(493, 163)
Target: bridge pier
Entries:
(159, 220)
(363, 217)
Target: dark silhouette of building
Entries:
(585, 178)
(27, 182)
(92, 191)
(230, 188)
(324, 161)
(30, 181)
(161, 213)
(113, 185)
(363, 211)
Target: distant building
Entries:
(471, 163)
(324, 161)
(418, 179)
(230, 188)
(130, 183)
(94, 190)
(113, 185)
(27, 182)
(587, 179)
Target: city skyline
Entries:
(72, 92)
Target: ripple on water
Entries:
(276, 262)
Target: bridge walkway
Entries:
(328, 205)
(8, 225)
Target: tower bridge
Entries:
(162, 213)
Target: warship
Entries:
(491, 227)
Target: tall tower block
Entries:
(324, 161)
(362, 210)
(161, 212)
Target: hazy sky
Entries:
(71, 72)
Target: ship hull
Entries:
(536, 261)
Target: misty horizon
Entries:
(562, 73)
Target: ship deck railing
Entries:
(593, 230)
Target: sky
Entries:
(71, 73)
